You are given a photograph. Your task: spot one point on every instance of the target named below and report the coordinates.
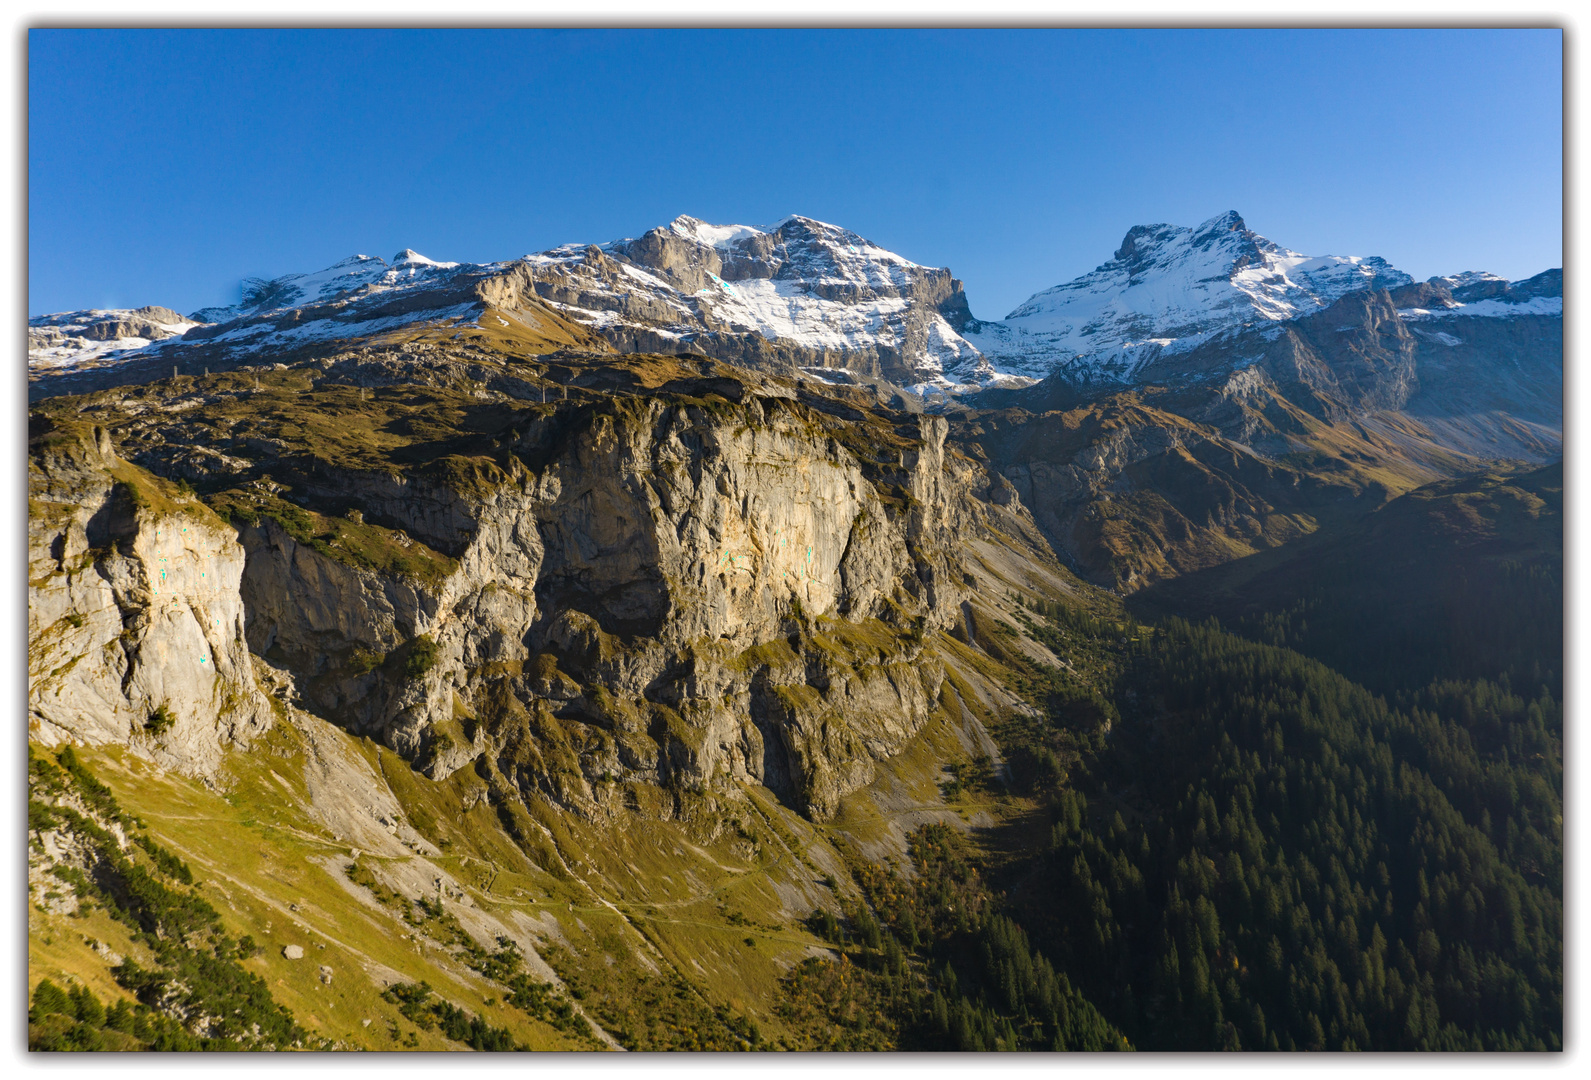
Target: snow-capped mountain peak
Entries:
(823, 295)
(1171, 287)
(806, 295)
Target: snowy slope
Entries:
(1475, 294)
(71, 338)
(825, 295)
(1170, 288)
(360, 272)
(356, 297)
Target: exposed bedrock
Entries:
(650, 590)
(135, 617)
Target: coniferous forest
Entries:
(1246, 848)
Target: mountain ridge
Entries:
(804, 295)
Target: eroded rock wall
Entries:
(135, 618)
(665, 590)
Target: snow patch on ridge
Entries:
(1536, 305)
(68, 338)
(713, 236)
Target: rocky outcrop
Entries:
(677, 594)
(77, 339)
(135, 620)
(727, 579)
(148, 323)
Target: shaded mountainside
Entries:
(1266, 855)
(1458, 579)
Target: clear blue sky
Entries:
(165, 166)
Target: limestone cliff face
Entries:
(135, 620)
(729, 581)
(676, 592)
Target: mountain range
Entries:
(720, 639)
(803, 295)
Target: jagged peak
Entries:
(1142, 241)
(1231, 221)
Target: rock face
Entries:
(799, 294)
(656, 584)
(721, 580)
(1355, 356)
(135, 621)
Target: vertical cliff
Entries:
(718, 579)
(135, 615)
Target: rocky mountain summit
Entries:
(800, 294)
(1167, 289)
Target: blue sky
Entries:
(165, 166)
